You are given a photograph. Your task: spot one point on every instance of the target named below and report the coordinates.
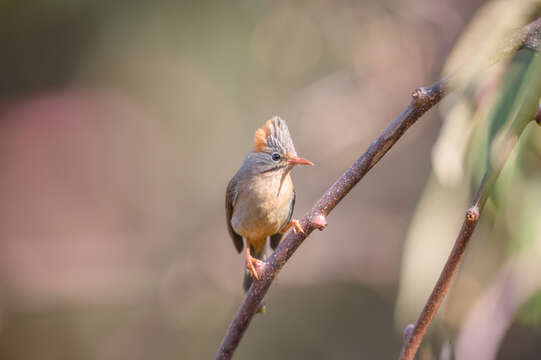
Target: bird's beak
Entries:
(300, 161)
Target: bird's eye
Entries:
(275, 156)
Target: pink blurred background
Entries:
(120, 126)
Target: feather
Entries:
(274, 136)
(261, 135)
(230, 200)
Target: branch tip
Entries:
(533, 37)
(419, 94)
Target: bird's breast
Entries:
(262, 206)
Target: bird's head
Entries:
(273, 148)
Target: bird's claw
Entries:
(297, 227)
(253, 265)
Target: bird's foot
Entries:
(295, 225)
(253, 265)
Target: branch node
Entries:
(472, 214)
(319, 222)
(406, 334)
(419, 94)
(533, 38)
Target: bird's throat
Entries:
(285, 174)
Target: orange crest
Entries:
(261, 134)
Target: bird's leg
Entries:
(252, 262)
(296, 227)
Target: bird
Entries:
(260, 197)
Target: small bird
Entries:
(260, 198)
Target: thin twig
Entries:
(422, 100)
(530, 36)
(415, 335)
(412, 342)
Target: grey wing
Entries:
(230, 200)
(276, 238)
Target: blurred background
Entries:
(121, 124)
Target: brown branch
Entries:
(530, 37)
(413, 341)
(415, 335)
(422, 100)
